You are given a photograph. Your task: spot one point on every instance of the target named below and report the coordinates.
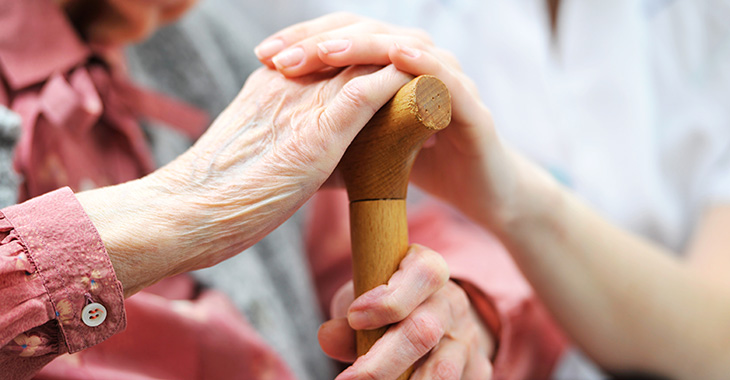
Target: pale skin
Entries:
(629, 303)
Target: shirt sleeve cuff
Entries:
(70, 259)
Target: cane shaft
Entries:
(379, 233)
(376, 168)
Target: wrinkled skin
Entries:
(261, 159)
(270, 150)
(433, 325)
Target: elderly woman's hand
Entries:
(433, 325)
(261, 159)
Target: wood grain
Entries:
(378, 162)
(376, 168)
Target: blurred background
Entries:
(616, 100)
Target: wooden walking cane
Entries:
(375, 168)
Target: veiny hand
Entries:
(434, 326)
(467, 166)
(260, 160)
(272, 148)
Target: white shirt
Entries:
(628, 104)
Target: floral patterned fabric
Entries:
(52, 264)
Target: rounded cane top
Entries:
(378, 162)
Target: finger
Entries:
(420, 62)
(478, 367)
(337, 340)
(446, 362)
(277, 42)
(468, 112)
(342, 300)
(474, 337)
(352, 45)
(421, 274)
(357, 102)
(342, 22)
(404, 343)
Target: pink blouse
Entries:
(61, 307)
(59, 296)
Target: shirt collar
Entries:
(38, 40)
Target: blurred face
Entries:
(116, 22)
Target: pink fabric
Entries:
(529, 343)
(80, 130)
(76, 104)
(174, 333)
(52, 264)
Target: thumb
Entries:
(359, 99)
(337, 340)
(342, 300)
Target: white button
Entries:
(93, 314)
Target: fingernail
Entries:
(288, 58)
(333, 46)
(358, 320)
(268, 48)
(413, 53)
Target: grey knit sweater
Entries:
(205, 59)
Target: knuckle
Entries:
(416, 42)
(459, 300)
(488, 370)
(355, 93)
(375, 26)
(422, 333)
(367, 372)
(325, 121)
(446, 369)
(434, 268)
(296, 32)
(422, 35)
(394, 310)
